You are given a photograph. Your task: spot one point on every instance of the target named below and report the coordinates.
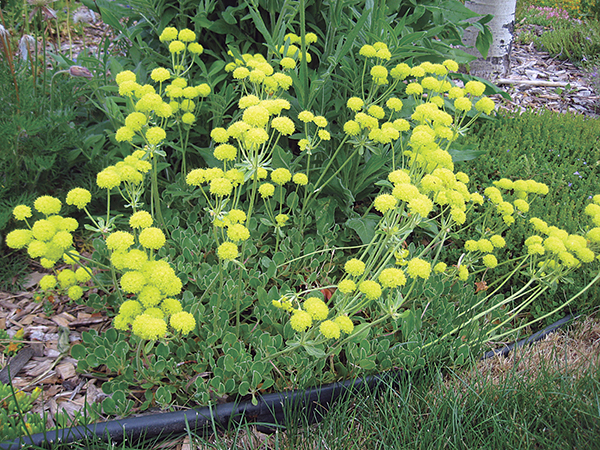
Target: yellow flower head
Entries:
(371, 289)
(266, 190)
(385, 202)
(354, 267)
(317, 309)
(419, 268)
(168, 34)
(238, 232)
(284, 125)
(195, 48)
(330, 329)
(300, 320)
(306, 116)
(119, 241)
(320, 121)
(160, 74)
(392, 278)
(475, 88)
(155, 135)
(140, 219)
(22, 212)
(346, 286)
(152, 238)
(394, 104)
(187, 35)
(368, 51)
(183, 322)
(176, 47)
(227, 251)
(221, 187)
(78, 197)
(281, 219)
(148, 327)
(225, 152)
(47, 205)
(300, 179)
(355, 103)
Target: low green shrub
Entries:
(560, 150)
(15, 419)
(574, 42)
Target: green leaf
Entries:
(163, 396)
(484, 38)
(452, 11)
(244, 388)
(364, 227)
(292, 200)
(108, 406)
(313, 351)
(279, 258)
(92, 361)
(148, 347)
(78, 351)
(162, 350)
(272, 270)
(367, 364)
(360, 333)
(465, 153)
(112, 335)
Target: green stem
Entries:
(154, 196)
(304, 62)
(317, 187)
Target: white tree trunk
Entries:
(497, 62)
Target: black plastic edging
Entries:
(271, 409)
(504, 351)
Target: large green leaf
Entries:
(364, 227)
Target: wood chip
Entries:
(63, 319)
(66, 370)
(38, 367)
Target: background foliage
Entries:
(560, 150)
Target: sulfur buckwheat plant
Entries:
(51, 240)
(171, 102)
(256, 279)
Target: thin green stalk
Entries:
(588, 286)
(317, 187)
(304, 62)
(154, 196)
(9, 57)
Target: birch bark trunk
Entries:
(497, 62)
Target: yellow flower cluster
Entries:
(485, 247)
(521, 190)
(315, 310)
(445, 188)
(563, 251)
(366, 120)
(291, 50)
(151, 284)
(50, 238)
(151, 107)
(221, 184)
(259, 74)
(180, 42)
(432, 91)
(130, 171)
